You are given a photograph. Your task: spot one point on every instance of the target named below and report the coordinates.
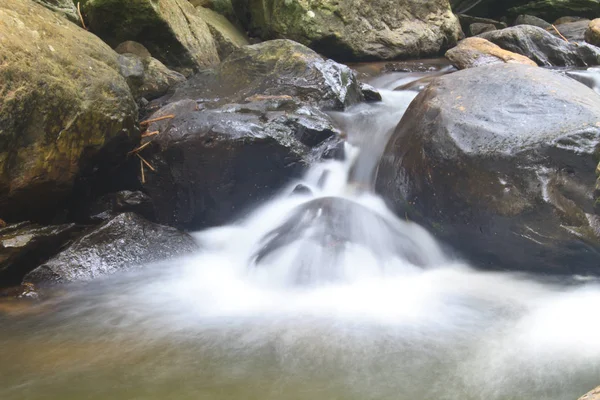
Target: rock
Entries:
(223, 7)
(531, 20)
(467, 20)
(485, 8)
(573, 31)
(592, 33)
(553, 9)
(370, 93)
(565, 20)
(148, 78)
(593, 395)
(499, 162)
(212, 164)
(122, 243)
(478, 28)
(352, 30)
(543, 47)
(172, 30)
(66, 111)
(64, 7)
(475, 52)
(24, 246)
(132, 47)
(227, 37)
(274, 68)
(110, 205)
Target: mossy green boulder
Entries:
(63, 108)
(172, 30)
(352, 30)
(64, 7)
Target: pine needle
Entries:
(148, 134)
(560, 34)
(149, 121)
(145, 162)
(138, 149)
(142, 169)
(81, 16)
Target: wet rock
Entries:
(476, 52)
(122, 243)
(274, 68)
(370, 93)
(211, 164)
(348, 30)
(478, 28)
(228, 37)
(593, 395)
(543, 47)
(301, 189)
(572, 31)
(25, 245)
(172, 30)
(66, 111)
(64, 7)
(467, 20)
(531, 20)
(109, 205)
(147, 78)
(553, 9)
(499, 162)
(592, 33)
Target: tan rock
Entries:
(592, 34)
(475, 52)
(593, 395)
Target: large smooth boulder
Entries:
(276, 67)
(543, 47)
(354, 29)
(475, 52)
(120, 244)
(24, 246)
(171, 29)
(65, 110)
(212, 164)
(499, 162)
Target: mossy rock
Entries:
(64, 108)
(64, 7)
(351, 30)
(227, 36)
(172, 30)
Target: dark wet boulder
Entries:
(553, 9)
(476, 52)
(352, 30)
(122, 243)
(274, 68)
(110, 205)
(211, 164)
(499, 162)
(65, 111)
(532, 20)
(592, 33)
(543, 47)
(171, 29)
(572, 31)
(324, 229)
(24, 246)
(479, 28)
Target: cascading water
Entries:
(320, 295)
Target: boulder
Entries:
(122, 243)
(565, 20)
(223, 7)
(499, 161)
(572, 31)
(110, 205)
(485, 8)
(592, 33)
(24, 246)
(592, 395)
(171, 29)
(553, 9)
(147, 78)
(65, 111)
(133, 47)
(273, 68)
(467, 20)
(543, 47)
(352, 30)
(475, 52)
(478, 28)
(227, 36)
(531, 20)
(211, 164)
(64, 7)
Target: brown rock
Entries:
(475, 52)
(592, 34)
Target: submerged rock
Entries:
(25, 245)
(499, 162)
(543, 47)
(274, 68)
(476, 52)
(356, 30)
(65, 110)
(171, 29)
(211, 164)
(122, 243)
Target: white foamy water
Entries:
(324, 295)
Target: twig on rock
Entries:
(149, 121)
(560, 34)
(145, 162)
(142, 169)
(138, 149)
(81, 16)
(148, 134)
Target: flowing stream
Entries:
(321, 295)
